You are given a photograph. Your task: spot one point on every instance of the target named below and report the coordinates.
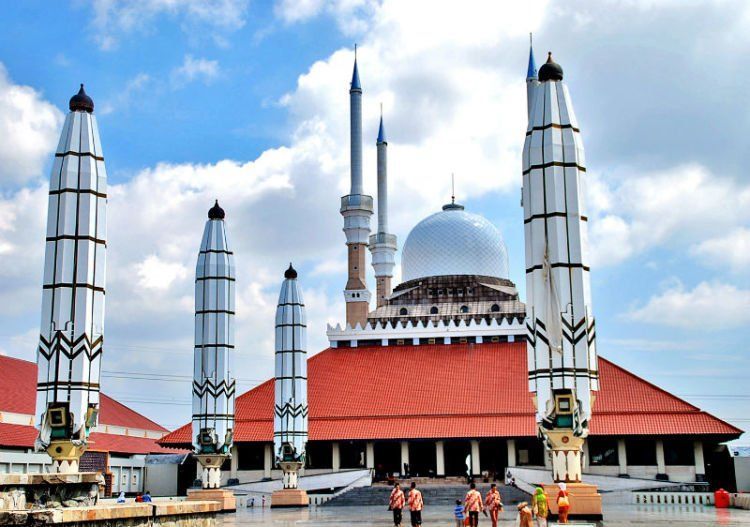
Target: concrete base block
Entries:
(289, 498)
(225, 498)
(585, 501)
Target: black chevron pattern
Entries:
(208, 387)
(289, 410)
(60, 344)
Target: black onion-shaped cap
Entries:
(550, 70)
(81, 102)
(291, 272)
(216, 212)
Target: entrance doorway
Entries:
(422, 460)
(456, 453)
(387, 458)
(493, 456)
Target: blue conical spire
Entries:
(381, 130)
(531, 73)
(355, 75)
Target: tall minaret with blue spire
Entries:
(382, 243)
(532, 80)
(356, 208)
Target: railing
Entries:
(673, 498)
(355, 202)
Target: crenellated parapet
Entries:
(412, 332)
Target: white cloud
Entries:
(155, 273)
(352, 16)
(709, 306)
(731, 250)
(29, 127)
(637, 212)
(193, 69)
(115, 18)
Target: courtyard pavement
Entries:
(615, 516)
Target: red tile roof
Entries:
(18, 395)
(23, 436)
(461, 390)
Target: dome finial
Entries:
(453, 188)
(290, 273)
(216, 212)
(81, 102)
(550, 70)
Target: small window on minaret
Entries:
(495, 308)
(433, 310)
(464, 309)
(403, 311)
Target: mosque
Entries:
(437, 372)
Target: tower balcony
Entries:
(356, 202)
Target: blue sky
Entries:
(247, 102)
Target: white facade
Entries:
(454, 242)
(213, 383)
(72, 320)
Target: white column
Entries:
(370, 455)
(267, 460)
(475, 466)
(335, 457)
(585, 455)
(700, 466)
(235, 460)
(661, 467)
(622, 456)
(511, 452)
(479, 339)
(404, 455)
(439, 458)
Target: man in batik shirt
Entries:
(416, 503)
(473, 505)
(494, 503)
(396, 503)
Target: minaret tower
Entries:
(213, 384)
(562, 362)
(72, 325)
(356, 208)
(290, 388)
(383, 244)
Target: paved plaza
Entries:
(615, 516)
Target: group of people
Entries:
(139, 498)
(466, 513)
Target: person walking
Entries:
(563, 504)
(524, 515)
(416, 504)
(458, 513)
(540, 507)
(493, 502)
(473, 505)
(121, 497)
(396, 504)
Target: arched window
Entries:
(403, 311)
(464, 309)
(495, 308)
(433, 310)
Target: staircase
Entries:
(433, 493)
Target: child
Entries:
(458, 512)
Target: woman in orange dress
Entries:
(493, 503)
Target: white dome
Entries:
(454, 242)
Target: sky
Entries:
(246, 102)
